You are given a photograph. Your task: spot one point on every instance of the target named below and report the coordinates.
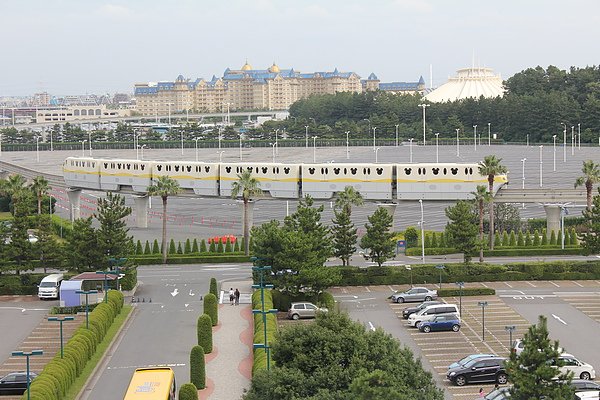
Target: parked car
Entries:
(15, 382)
(518, 345)
(411, 310)
(468, 358)
(589, 395)
(441, 323)
(580, 369)
(304, 310)
(502, 393)
(490, 369)
(428, 313)
(582, 385)
(415, 294)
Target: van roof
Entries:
(53, 277)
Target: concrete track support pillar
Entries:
(552, 218)
(391, 210)
(74, 200)
(141, 210)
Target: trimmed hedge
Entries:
(204, 332)
(548, 250)
(72, 309)
(213, 287)
(188, 391)
(197, 367)
(466, 292)
(211, 308)
(192, 259)
(260, 355)
(59, 374)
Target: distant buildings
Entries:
(251, 89)
(469, 83)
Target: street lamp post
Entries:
(541, 163)
(440, 268)
(368, 131)
(457, 143)
(564, 141)
(221, 155)
(528, 140)
(409, 269)
(27, 354)
(397, 125)
(377, 152)
(273, 145)
(510, 329)
(475, 136)
(483, 305)
(276, 147)
(572, 140)
(83, 147)
(306, 135)
(240, 147)
(460, 285)
(374, 129)
(489, 133)
(554, 153)
(87, 309)
(37, 148)
(314, 149)
(181, 141)
(262, 286)
(196, 147)
(424, 106)
(410, 148)
(579, 136)
(523, 176)
(347, 146)
(106, 273)
(90, 138)
(61, 320)
(437, 152)
(142, 148)
(422, 232)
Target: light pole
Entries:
(440, 268)
(87, 309)
(410, 147)
(572, 140)
(541, 163)
(475, 136)
(314, 149)
(196, 147)
(90, 139)
(83, 147)
(489, 133)
(397, 125)
(564, 142)
(106, 273)
(182, 142)
(221, 155)
(424, 106)
(61, 320)
(347, 146)
(27, 354)
(377, 152)
(219, 138)
(510, 329)
(374, 129)
(554, 153)
(483, 305)
(51, 145)
(37, 148)
(457, 143)
(523, 176)
(367, 119)
(262, 286)
(460, 285)
(437, 152)
(422, 233)
(142, 148)
(136, 146)
(274, 145)
(306, 135)
(579, 136)
(240, 147)
(528, 140)
(409, 269)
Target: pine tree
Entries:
(172, 248)
(113, 235)
(527, 239)
(520, 239)
(344, 236)
(138, 248)
(512, 241)
(155, 247)
(188, 246)
(533, 372)
(463, 228)
(195, 246)
(203, 246)
(378, 238)
(434, 240)
(147, 249)
(179, 248)
(536, 238)
(553, 238)
(544, 237)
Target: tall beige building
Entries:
(243, 89)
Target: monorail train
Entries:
(434, 181)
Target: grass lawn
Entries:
(77, 386)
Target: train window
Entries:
(379, 171)
(286, 170)
(470, 171)
(311, 170)
(142, 167)
(168, 168)
(454, 171)
(345, 171)
(112, 165)
(336, 171)
(445, 171)
(419, 171)
(435, 171)
(278, 170)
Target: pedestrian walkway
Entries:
(229, 366)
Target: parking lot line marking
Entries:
(484, 285)
(508, 284)
(577, 283)
(598, 282)
(391, 288)
(559, 319)
(531, 284)
(554, 284)
(367, 289)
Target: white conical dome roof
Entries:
(469, 83)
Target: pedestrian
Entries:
(237, 297)
(481, 393)
(231, 296)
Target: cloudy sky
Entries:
(94, 46)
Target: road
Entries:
(162, 329)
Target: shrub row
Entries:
(500, 252)
(204, 333)
(188, 259)
(197, 367)
(395, 275)
(211, 308)
(225, 244)
(466, 292)
(72, 309)
(260, 355)
(60, 373)
(282, 301)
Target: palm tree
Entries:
(482, 196)
(13, 187)
(490, 167)
(164, 187)
(348, 198)
(246, 186)
(591, 175)
(40, 188)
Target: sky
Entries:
(94, 46)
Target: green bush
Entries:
(203, 246)
(466, 292)
(211, 308)
(427, 241)
(512, 240)
(155, 247)
(213, 287)
(197, 367)
(129, 281)
(236, 246)
(188, 246)
(527, 239)
(138, 248)
(220, 248)
(411, 236)
(497, 240)
(204, 332)
(195, 246)
(172, 249)
(193, 259)
(573, 237)
(228, 248)
(520, 239)
(188, 391)
(505, 241)
(179, 249)
(147, 249)
(553, 238)
(212, 248)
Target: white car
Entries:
(430, 312)
(593, 394)
(580, 369)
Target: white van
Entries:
(428, 313)
(49, 287)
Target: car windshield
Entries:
(47, 284)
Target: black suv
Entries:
(15, 382)
(485, 369)
(411, 310)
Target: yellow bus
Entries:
(152, 384)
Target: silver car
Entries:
(415, 294)
(304, 310)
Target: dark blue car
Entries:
(441, 323)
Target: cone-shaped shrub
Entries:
(505, 241)
(195, 248)
(212, 248)
(204, 332)
(434, 240)
(559, 238)
(179, 249)
(427, 241)
(211, 308)
(573, 241)
(220, 248)
(497, 240)
(512, 240)
(197, 367)
(520, 239)
(228, 248)
(527, 239)
(188, 391)
(236, 246)
(544, 237)
(172, 249)
(138, 248)
(213, 287)
(147, 249)
(155, 247)
(442, 242)
(553, 238)
(536, 238)
(188, 246)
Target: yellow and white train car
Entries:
(82, 172)
(441, 181)
(199, 177)
(373, 181)
(276, 179)
(117, 174)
